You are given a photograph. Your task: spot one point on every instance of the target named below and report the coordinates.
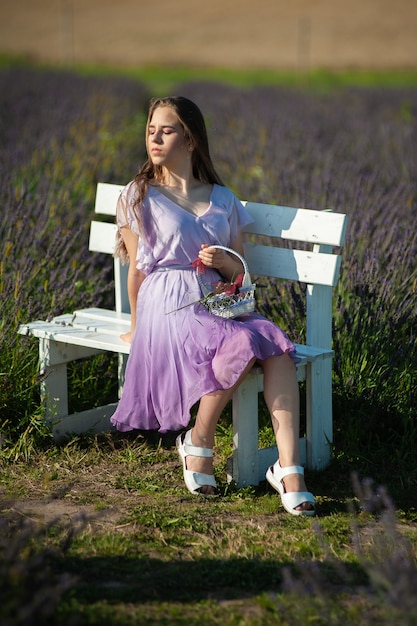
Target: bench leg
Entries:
(249, 464)
(245, 433)
(121, 372)
(319, 413)
(54, 385)
(53, 359)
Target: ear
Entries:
(190, 142)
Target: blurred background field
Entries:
(303, 34)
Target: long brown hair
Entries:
(192, 121)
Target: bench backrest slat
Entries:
(107, 196)
(301, 265)
(102, 237)
(315, 227)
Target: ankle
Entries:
(284, 462)
(202, 441)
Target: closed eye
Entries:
(167, 130)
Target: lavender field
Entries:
(353, 150)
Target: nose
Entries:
(156, 136)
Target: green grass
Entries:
(112, 515)
(161, 80)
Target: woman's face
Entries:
(166, 143)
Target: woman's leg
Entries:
(208, 414)
(282, 398)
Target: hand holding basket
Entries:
(227, 305)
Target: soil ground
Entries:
(68, 500)
(236, 34)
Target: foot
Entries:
(197, 466)
(202, 465)
(126, 337)
(295, 483)
(289, 482)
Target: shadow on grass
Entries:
(140, 580)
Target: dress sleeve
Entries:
(125, 215)
(238, 217)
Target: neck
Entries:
(181, 182)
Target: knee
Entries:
(281, 362)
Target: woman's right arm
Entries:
(134, 278)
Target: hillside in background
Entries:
(302, 34)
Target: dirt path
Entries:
(236, 33)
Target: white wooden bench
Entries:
(87, 332)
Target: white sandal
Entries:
(291, 500)
(194, 480)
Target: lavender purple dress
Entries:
(180, 353)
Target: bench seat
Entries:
(101, 329)
(89, 328)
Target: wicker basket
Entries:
(230, 306)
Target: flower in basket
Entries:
(229, 289)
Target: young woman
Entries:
(168, 217)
